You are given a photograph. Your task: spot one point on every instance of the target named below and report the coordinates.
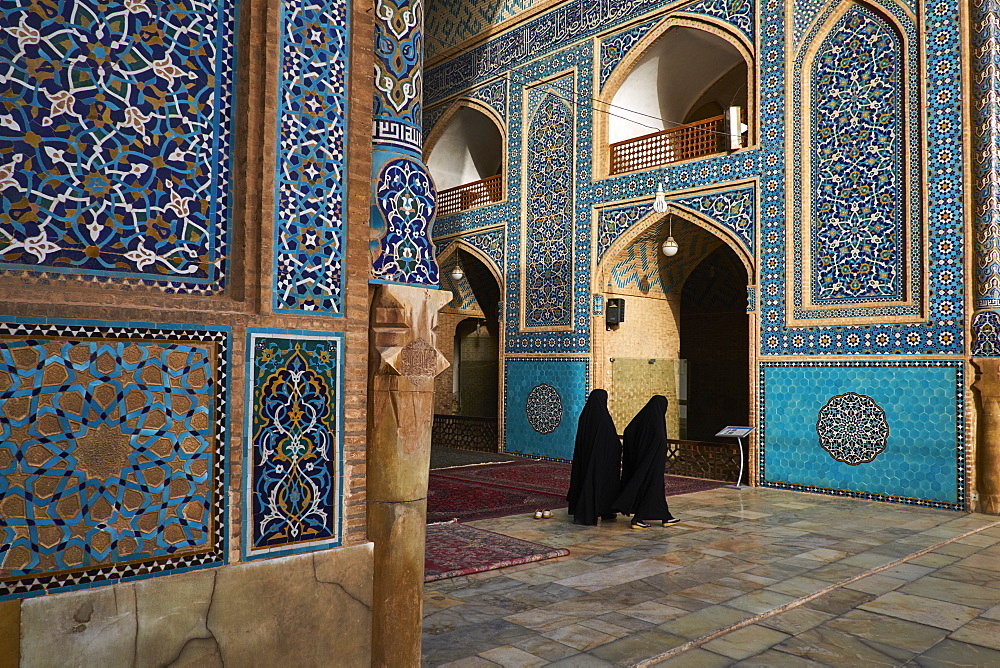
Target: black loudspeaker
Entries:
(614, 311)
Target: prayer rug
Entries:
(455, 549)
(537, 476)
(451, 498)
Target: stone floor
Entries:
(757, 577)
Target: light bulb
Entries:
(670, 247)
(660, 203)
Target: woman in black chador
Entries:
(597, 458)
(644, 459)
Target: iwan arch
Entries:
(202, 209)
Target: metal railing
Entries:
(683, 142)
(701, 459)
(469, 195)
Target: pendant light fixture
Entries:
(669, 247)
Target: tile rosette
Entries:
(852, 428)
(112, 453)
(293, 475)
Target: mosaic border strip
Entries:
(309, 214)
(957, 365)
(113, 573)
(336, 526)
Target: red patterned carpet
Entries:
(537, 476)
(457, 549)
(480, 492)
(451, 498)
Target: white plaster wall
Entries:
(469, 149)
(668, 81)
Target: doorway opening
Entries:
(467, 393)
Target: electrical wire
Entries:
(523, 80)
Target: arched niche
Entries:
(466, 145)
(682, 72)
(653, 287)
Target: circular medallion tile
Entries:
(544, 408)
(852, 428)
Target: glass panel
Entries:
(634, 381)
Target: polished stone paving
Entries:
(752, 577)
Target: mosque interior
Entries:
(255, 257)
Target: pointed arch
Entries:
(457, 243)
(720, 36)
(652, 221)
(857, 224)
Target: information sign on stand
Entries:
(739, 433)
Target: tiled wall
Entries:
(543, 400)
(890, 430)
(761, 200)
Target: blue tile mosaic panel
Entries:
(292, 475)
(733, 210)
(547, 292)
(858, 203)
(890, 431)
(543, 398)
(399, 53)
(616, 47)
(112, 452)
(738, 13)
(115, 135)
(402, 215)
(312, 158)
(939, 328)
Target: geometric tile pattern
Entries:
(405, 201)
(852, 428)
(857, 165)
(312, 159)
(642, 268)
(617, 46)
(738, 13)
(912, 410)
(115, 128)
(544, 408)
(462, 296)
(292, 474)
(542, 399)
(548, 270)
(112, 452)
(733, 210)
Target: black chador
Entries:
(644, 459)
(597, 457)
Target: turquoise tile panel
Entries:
(923, 458)
(544, 400)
